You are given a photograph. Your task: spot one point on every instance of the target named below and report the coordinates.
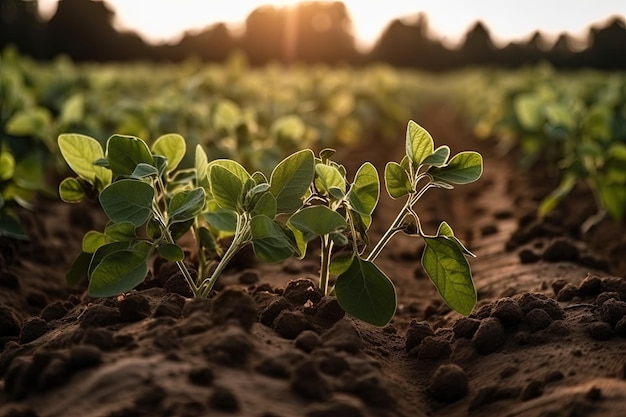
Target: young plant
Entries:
(340, 213)
(151, 204)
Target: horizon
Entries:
(506, 23)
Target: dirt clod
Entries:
(489, 336)
(449, 383)
(416, 332)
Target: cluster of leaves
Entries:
(151, 204)
(575, 123)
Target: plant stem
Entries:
(242, 233)
(325, 266)
(395, 226)
(389, 233)
(160, 218)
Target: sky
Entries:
(166, 20)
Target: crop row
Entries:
(256, 116)
(573, 124)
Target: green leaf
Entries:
(120, 231)
(226, 187)
(104, 251)
(7, 166)
(10, 227)
(337, 193)
(340, 264)
(227, 115)
(73, 110)
(35, 122)
(327, 177)
(326, 154)
(171, 252)
(92, 240)
(222, 219)
(259, 178)
(119, 272)
(397, 180)
(125, 153)
(444, 229)
(173, 147)
(366, 293)
(463, 168)
(186, 205)
(291, 179)
(71, 191)
(364, 193)
(557, 195)
(143, 170)
(419, 143)
(529, 111)
(270, 241)
(233, 167)
(266, 205)
(438, 158)
(255, 193)
(613, 198)
(448, 269)
(179, 229)
(80, 152)
(201, 165)
(128, 201)
(79, 269)
(317, 221)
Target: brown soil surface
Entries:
(547, 338)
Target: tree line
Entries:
(311, 32)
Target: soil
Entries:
(547, 338)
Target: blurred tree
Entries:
(212, 44)
(83, 29)
(561, 55)
(323, 32)
(20, 26)
(264, 38)
(409, 45)
(607, 46)
(517, 54)
(478, 48)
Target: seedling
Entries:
(336, 206)
(151, 204)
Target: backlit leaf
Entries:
(364, 193)
(290, 180)
(71, 191)
(171, 146)
(80, 152)
(463, 168)
(226, 187)
(328, 176)
(444, 262)
(419, 143)
(397, 180)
